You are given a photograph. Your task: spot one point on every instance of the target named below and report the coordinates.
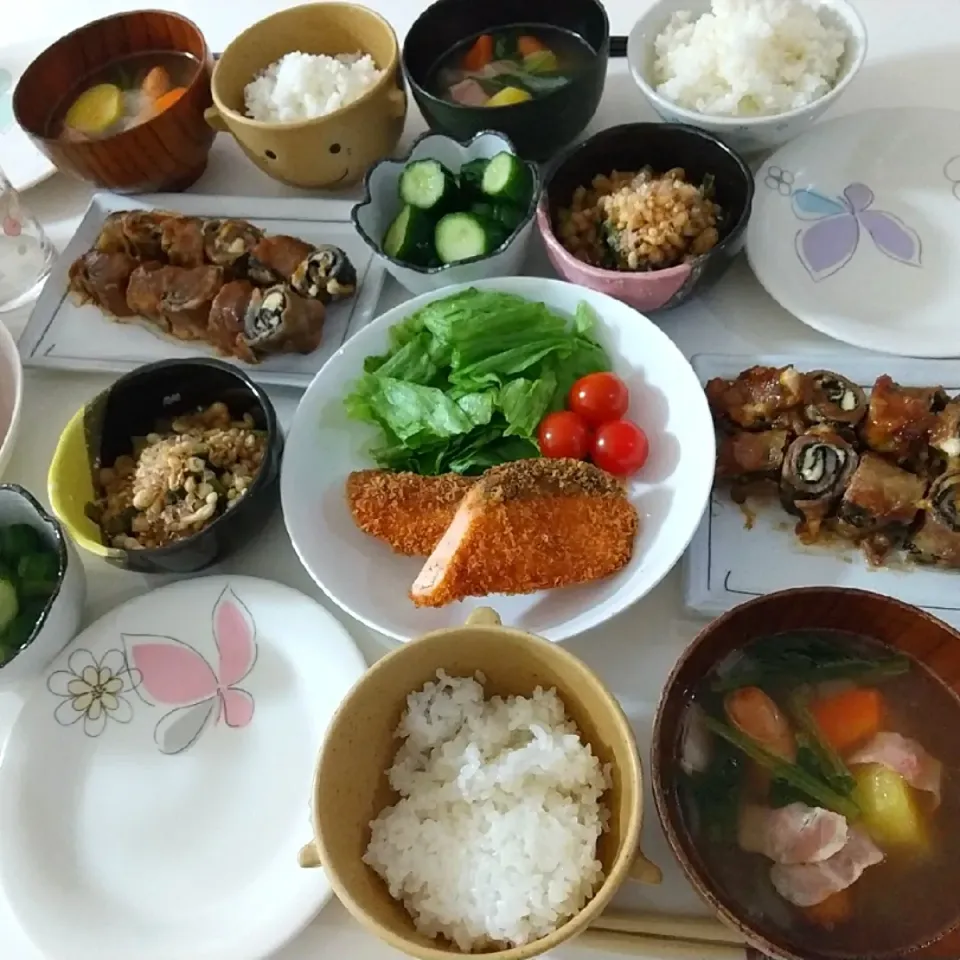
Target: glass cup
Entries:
(26, 253)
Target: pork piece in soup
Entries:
(820, 788)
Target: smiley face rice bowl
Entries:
(313, 94)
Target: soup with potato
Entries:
(123, 94)
(820, 787)
(510, 65)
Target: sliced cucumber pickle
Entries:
(508, 178)
(461, 236)
(428, 185)
(410, 237)
(471, 177)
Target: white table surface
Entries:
(912, 61)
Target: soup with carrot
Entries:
(126, 92)
(511, 65)
(820, 787)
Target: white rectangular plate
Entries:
(64, 336)
(727, 564)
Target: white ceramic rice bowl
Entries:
(381, 204)
(746, 134)
(371, 583)
(11, 394)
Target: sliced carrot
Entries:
(168, 99)
(829, 913)
(480, 54)
(848, 719)
(527, 45)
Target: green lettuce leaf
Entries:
(467, 379)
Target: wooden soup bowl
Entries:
(166, 153)
(351, 787)
(899, 625)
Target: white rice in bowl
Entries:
(494, 839)
(748, 58)
(303, 86)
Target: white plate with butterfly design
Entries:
(24, 165)
(156, 786)
(856, 230)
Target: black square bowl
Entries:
(538, 128)
(104, 430)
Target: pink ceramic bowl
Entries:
(661, 146)
(11, 394)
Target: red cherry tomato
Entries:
(620, 447)
(599, 398)
(563, 434)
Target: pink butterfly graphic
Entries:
(175, 674)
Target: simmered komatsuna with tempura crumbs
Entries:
(494, 838)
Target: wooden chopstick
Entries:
(665, 926)
(663, 948)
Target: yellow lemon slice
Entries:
(508, 96)
(96, 109)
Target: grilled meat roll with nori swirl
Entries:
(945, 434)
(227, 243)
(279, 320)
(181, 240)
(899, 419)
(879, 506)
(758, 399)
(175, 299)
(326, 274)
(102, 279)
(817, 469)
(135, 232)
(226, 323)
(747, 455)
(832, 398)
(275, 258)
(937, 539)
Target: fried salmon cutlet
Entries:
(530, 525)
(405, 510)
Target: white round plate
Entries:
(156, 787)
(372, 583)
(24, 165)
(856, 230)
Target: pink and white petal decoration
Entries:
(159, 776)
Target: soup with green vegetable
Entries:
(820, 786)
(511, 65)
(29, 572)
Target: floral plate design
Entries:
(855, 230)
(157, 775)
